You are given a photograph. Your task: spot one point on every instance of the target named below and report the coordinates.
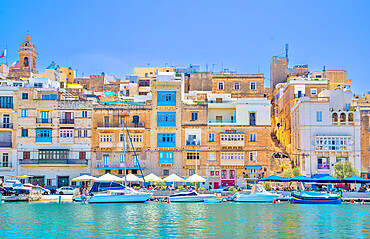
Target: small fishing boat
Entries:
(190, 197)
(127, 195)
(258, 194)
(309, 197)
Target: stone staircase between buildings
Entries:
(279, 156)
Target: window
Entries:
(24, 133)
(232, 174)
(49, 182)
(166, 98)
(24, 113)
(26, 155)
(211, 156)
(136, 138)
(253, 85)
(120, 171)
(252, 137)
(24, 96)
(319, 116)
(106, 138)
(323, 163)
(166, 172)
(341, 159)
(252, 118)
(212, 173)
(49, 97)
(166, 157)
(220, 86)
(6, 102)
(192, 156)
(232, 156)
(43, 135)
(144, 82)
(106, 160)
(347, 106)
(223, 174)
(166, 140)
(166, 119)
(191, 171)
(53, 155)
(5, 160)
(217, 173)
(82, 155)
(253, 156)
(313, 91)
(85, 133)
(84, 114)
(335, 117)
(194, 116)
(333, 143)
(211, 137)
(232, 137)
(236, 86)
(79, 133)
(66, 133)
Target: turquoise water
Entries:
(186, 220)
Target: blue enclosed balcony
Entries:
(166, 98)
(165, 140)
(166, 119)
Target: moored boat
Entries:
(127, 195)
(308, 197)
(258, 194)
(190, 197)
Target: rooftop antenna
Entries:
(286, 52)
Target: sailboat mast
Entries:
(124, 148)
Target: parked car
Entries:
(65, 190)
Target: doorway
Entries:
(63, 181)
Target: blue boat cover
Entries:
(274, 178)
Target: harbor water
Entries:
(183, 220)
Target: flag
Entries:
(4, 54)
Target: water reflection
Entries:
(193, 220)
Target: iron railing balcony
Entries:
(43, 121)
(67, 121)
(6, 125)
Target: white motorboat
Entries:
(258, 194)
(190, 197)
(127, 195)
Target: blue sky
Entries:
(115, 36)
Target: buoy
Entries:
(352, 201)
(224, 200)
(363, 202)
(274, 202)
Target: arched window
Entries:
(335, 117)
(350, 117)
(342, 117)
(25, 61)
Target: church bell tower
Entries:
(28, 56)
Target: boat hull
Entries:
(198, 198)
(294, 199)
(136, 198)
(257, 198)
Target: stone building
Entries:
(8, 126)
(109, 143)
(53, 137)
(325, 130)
(239, 85)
